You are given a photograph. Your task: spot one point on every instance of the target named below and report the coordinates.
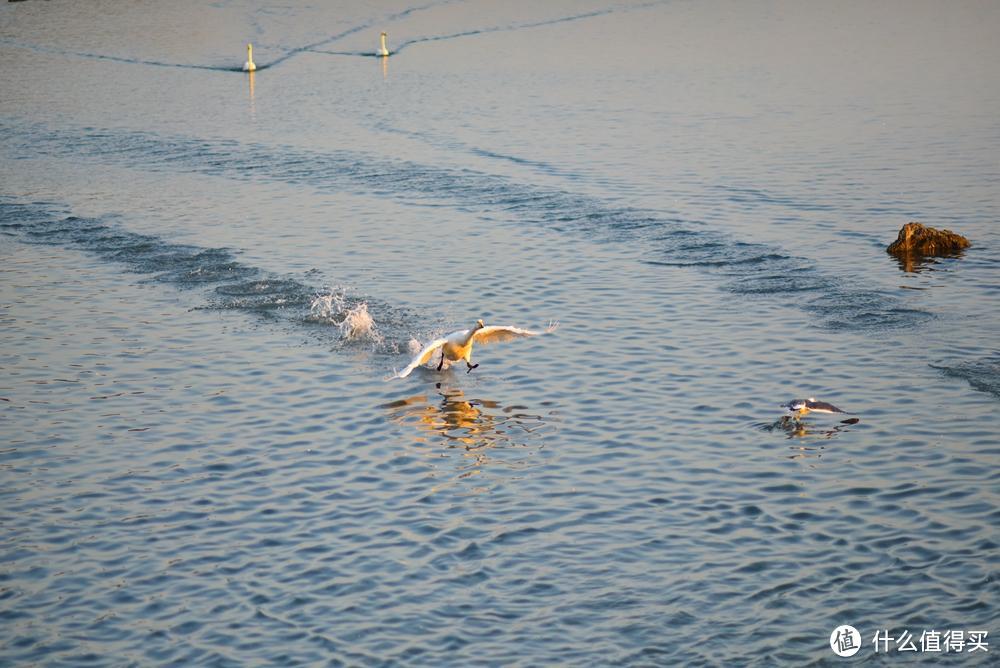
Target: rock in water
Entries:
(917, 239)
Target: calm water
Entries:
(207, 278)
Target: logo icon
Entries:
(845, 640)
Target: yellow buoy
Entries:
(383, 51)
(249, 66)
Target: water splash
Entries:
(351, 316)
(413, 347)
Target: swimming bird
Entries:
(802, 407)
(458, 345)
(249, 66)
(382, 51)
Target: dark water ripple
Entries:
(235, 285)
(746, 268)
(982, 374)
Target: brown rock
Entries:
(917, 239)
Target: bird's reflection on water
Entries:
(801, 429)
(484, 432)
(253, 111)
(809, 436)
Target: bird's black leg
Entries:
(471, 367)
(441, 363)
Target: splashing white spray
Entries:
(353, 320)
(413, 347)
(358, 324)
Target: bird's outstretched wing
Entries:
(497, 333)
(422, 357)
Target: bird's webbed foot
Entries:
(471, 367)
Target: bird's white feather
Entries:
(422, 357)
(498, 333)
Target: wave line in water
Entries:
(314, 46)
(39, 48)
(234, 285)
(472, 32)
(289, 53)
(981, 374)
(746, 268)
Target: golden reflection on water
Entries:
(250, 80)
(912, 263)
(801, 429)
(483, 430)
(385, 67)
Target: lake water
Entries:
(208, 276)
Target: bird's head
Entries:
(796, 405)
(480, 324)
(383, 33)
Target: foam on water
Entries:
(351, 317)
(413, 347)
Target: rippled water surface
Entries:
(207, 278)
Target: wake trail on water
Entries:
(236, 66)
(510, 27)
(744, 268)
(230, 284)
(366, 25)
(982, 374)
(40, 48)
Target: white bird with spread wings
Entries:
(458, 345)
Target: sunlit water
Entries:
(207, 278)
